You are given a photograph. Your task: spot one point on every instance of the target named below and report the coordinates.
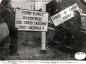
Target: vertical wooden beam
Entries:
(43, 40)
(43, 34)
(43, 37)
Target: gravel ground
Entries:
(32, 51)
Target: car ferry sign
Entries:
(31, 20)
(64, 15)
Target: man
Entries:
(8, 15)
(67, 34)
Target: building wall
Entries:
(23, 4)
(29, 4)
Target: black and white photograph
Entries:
(43, 30)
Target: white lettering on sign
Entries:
(31, 20)
(64, 15)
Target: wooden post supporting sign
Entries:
(43, 36)
(43, 40)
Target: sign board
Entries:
(4, 31)
(31, 20)
(64, 15)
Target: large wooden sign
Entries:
(31, 20)
(64, 15)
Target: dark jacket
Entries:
(8, 16)
(73, 25)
